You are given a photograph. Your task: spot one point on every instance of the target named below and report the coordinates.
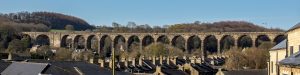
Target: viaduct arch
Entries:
(191, 41)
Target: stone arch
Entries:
(42, 40)
(163, 39)
(179, 42)
(105, 46)
(27, 38)
(79, 42)
(66, 41)
(279, 38)
(147, 40)
(244, 41)
(260, 39)
(92, 42)
(193, 43)
(226, 42)
(210, 44)
(133, 42)
(120, 43)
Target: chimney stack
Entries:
(198, 60)
(153, 60)
(158, 69)
(125, 62)
(168, 60)
(174, 59)
(10, 56)
(192, 60)
(160, 60)
(140, 61)
(101, 62)
(184, 57)
(110, 64)
(180, 67)
(133, 61)
(92, 60)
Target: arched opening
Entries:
(179, 42)
(133, 43)
(245, 41)
(147, 40)
(66, 41)
(193, 43)
(210, 45)
(105, 46)
(260, 39)
(226, 42)
(26, 39)
(92, 43)
(79, 42)
(163, 39)
(278, 39)
(42, 40)
(119, 44)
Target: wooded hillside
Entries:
(223, 26)
(50, 19)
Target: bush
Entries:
(63, 54)
(82, 56)
(45, 51)
(253, 58)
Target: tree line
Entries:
(197, 26)
(51, 19)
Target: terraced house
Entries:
(284, 57)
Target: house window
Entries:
(291, 50)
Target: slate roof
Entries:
(67, 68)
(293, 60)
(57, 68)
(24, 68)
(294, 27)
(281, 45)
(246, 72)
(3, 65)
(204, 68)
(173, 72)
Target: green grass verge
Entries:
(55, 30)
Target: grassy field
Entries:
(55, 30)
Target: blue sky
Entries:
(270, 13)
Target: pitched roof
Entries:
(281, 45)
(3, 65)
(246, 72)
(24, 68)
(68, 68)
(173, 72)
(34, 67)
(293, 60)
(294, 27)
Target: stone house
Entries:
(284, 57)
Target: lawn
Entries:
(56, 30)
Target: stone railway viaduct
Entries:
(57, 39)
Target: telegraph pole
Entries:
(113, 60)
